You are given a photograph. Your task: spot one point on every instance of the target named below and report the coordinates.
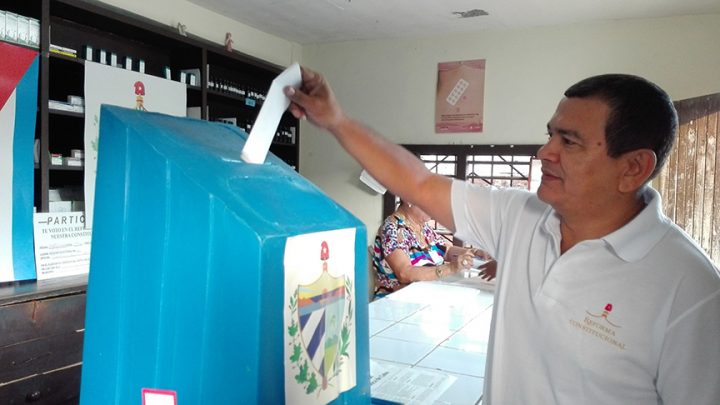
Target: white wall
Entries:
(213, 26)
(390, 85)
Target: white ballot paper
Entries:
(266, 123)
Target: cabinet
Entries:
(41, 341)
(42, 323)
(230, 87)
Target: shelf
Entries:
(53, 111)
(242, 99)
(67, 168)
(79, 23)
(58, 56)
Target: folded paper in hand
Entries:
(266, 123)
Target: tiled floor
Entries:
(434, 329)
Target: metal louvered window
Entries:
(497, 165)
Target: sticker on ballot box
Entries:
(152, 396)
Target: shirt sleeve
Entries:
(480, 212)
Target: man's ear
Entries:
(639, 165)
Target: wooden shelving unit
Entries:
(51, 315)
(76, 23)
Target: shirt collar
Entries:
(635, 239)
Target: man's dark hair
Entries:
(642, 116)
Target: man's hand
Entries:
(315, 101)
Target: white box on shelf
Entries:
(88, 52)
(193, 76)
(11, 26)
(141, 66)
(77, 153)
(23, 29)
(56, 159)
(54, 194)
(72, 161)
(34, 33)
(2, 25)
(128, 63)
(113, 59)
(103, 57)
(76, 100)
(60, 206)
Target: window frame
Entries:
(461, 153)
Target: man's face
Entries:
(578, 176)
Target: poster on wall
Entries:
(18, 112)
(319, 316)
(459, 98)
(105, 84)
(62, 244)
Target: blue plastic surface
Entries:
(186, 275)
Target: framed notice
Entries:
(459, 99)
(62, 244)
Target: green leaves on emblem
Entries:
(297, 351)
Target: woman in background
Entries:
(408, 249)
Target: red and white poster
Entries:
(460, 96)
(106, 84)
(18, 112)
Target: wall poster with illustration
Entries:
(459, 98)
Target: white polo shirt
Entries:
(631, 318)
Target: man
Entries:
(600, 299)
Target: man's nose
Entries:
(549, 150)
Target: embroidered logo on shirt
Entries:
(604, 315)
(600, 326)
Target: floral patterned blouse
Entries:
(396, 234)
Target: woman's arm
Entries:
(406, 273)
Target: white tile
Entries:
(423, 333)
(378, 325)
(474, 336)
(389, 310)
(466, 390)
(432, 293)
(398, 351)
(439, 316)
(466, 342)
(455, 361)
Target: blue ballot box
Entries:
(214, 281)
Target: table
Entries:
(428, 342)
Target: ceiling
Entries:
(321, 21)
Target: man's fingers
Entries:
(296, 111)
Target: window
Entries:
(497, 165)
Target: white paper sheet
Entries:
(266, 123)
(405, 385)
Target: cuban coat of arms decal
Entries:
(319, 316)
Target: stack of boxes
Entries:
(19, 29)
